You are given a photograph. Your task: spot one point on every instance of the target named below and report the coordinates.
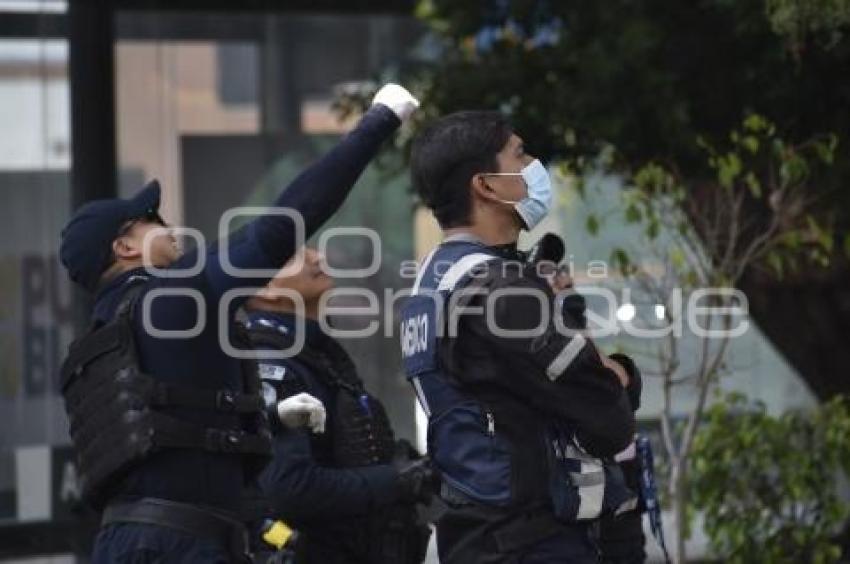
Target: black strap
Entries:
(190, 519)
(227, 401)
(163, 394)
(135, 286)
(453, 497)
(173, 433)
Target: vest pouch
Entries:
(469, 454)
(583, 487)
(362, 435)
(565, 496)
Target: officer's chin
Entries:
(176, 253)
(166, 262)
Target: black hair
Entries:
(448, 153)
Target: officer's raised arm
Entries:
(315, 194)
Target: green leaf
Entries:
(633, 214)
(827, 241)
(652, 229)
(728, 169)
(778, 148)
(751, 143)
(825, 149)
(847, 245)
(774, 259)
(756, 123)
(425, 9)
(824, 153)
(753, 184)
(592, 224)
(651, 178)
(570, 137)
(620, 259)
(793, 169)
(677, 258)
(792, 239)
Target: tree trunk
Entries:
(679, 494)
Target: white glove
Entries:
(302, 410)
(628, 454)
(396, 98)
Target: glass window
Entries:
(35, 315)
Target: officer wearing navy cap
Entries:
(167, 427)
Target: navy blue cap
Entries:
(86, 245)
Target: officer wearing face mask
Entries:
(482, 347)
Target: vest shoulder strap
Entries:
(460, 260)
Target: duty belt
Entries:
(190, 519)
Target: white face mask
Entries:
(537, 203)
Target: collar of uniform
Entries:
(287, 324)
(108, 296)
(508, 250)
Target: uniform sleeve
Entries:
(316, 194)
(270, 240)
(635, 387)
(573, 307)
(559, 372)
(300, 488)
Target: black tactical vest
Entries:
(115, 414)
(360, 430)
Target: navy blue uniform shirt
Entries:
(301, 481)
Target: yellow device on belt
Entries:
(277, 534)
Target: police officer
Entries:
(167, 427)
(483, 355)
(351, 490)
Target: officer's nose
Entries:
(313, 257)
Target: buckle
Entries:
(225, 400)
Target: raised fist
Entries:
(396, 98)
(302, 410)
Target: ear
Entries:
(124, 248)
(481, 189)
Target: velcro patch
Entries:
(418, 336)
(272, 372)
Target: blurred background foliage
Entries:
(647, 78)
(769, 486)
